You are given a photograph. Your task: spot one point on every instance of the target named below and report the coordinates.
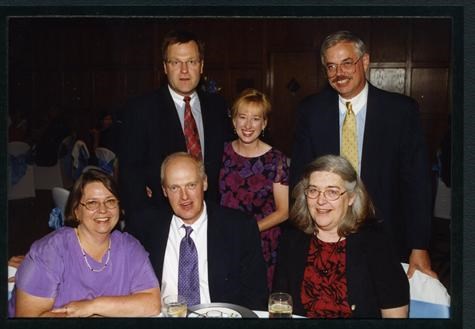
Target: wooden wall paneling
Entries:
(108, 91)
(216, 77)
(76, 46)
(292, 34)
(47, 90)
(245, 42)
(20, 91)
(243, 78)
(293, 77)
(105, 45)
(139, 42)
(431, 42)
(430, 89)
(388, 49)
(77, 89)
(138, 82)
(21, 48)
(50, 47)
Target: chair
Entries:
(106, 159)
(21, 183)
(428, 297)
(60, 197)
(47, 177)
(80, 156)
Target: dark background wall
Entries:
(87, 65)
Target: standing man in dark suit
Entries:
(391, 152)
(153, 125)
(230, 262)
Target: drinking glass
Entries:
(280, 305)
(175, 306)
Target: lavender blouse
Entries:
(55, 268)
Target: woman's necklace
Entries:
(324, 271)
(85, 257)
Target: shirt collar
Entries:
(197, 225)
(178, 99)
(358, 102)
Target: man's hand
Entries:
(420, 260)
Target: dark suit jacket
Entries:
(375, 278)
(236, 268)
(394, 164)
(151, 130)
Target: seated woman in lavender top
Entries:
(88, 268)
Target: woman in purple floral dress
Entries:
(254, 175)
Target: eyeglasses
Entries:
(177, 188)
(174, 63)
(346, 67)
(94, 205)
(329, 194)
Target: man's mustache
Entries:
(339, 78)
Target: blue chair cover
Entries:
(55, 219)
(108, 167)
(18, 166)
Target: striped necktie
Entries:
(190, 131)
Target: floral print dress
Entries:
(247, 184)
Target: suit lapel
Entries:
(168, 115)
(372, 135)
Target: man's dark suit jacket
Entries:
(151, 130)
(236, 268)
(375, 277)
(394, 165)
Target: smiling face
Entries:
(184, 76)
(184, 187)
(102, 220)
(249, 122)
(327, 215)
(348, 85)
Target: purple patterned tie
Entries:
(188, 276)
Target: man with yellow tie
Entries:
(380, 134)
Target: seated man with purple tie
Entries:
(200, 250)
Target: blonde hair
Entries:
(251, 96)
(361, 209)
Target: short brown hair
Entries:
(251, 96)
(179, 36)
(361, 209)
(77, 192)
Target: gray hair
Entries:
(342, 36)
(361, 209)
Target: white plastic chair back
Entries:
(80, 155)
(25, 186)
(429, 297)
(60, 197)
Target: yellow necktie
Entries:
(349, 145)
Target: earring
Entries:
(235, 133)
(262, 132)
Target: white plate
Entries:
(220, 310)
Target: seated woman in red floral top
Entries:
(337, 263)
(254, 175)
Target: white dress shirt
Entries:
(172, 254)
(195, 110)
